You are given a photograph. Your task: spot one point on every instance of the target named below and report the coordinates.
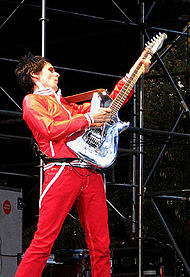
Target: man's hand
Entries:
(141, 60)
(101, 115)
(146, 66)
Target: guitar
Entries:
(98, 145)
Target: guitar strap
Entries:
(45, 158)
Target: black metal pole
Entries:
(44, 21)
(140, 196)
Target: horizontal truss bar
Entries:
(11, 121)
(12, 137)
(72, 69)
(159, 193)
(12, 113)
(120, 185)
(172, 197)
(18, 174)
(158, 132)
(129, 129)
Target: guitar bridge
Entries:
(93, 136)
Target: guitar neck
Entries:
(134, 75)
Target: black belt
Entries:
(78, 165)
(46, 159)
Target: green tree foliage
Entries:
(172, 174)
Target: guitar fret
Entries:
(126, 89)
(117, 103)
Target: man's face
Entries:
(48, 77)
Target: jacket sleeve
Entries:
(37, 116)
(118, 88)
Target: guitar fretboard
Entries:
(126, 89)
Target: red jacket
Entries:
(52, 119)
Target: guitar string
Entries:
(135, 75)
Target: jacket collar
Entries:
(49, 91)
(46, 91)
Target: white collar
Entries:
(49, 91)
(46, 91)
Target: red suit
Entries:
(52, 120)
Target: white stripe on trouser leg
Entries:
(92, 246)
(51, 183)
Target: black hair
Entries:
(29, 64)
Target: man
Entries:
(67, 179)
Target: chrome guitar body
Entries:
(99, 144)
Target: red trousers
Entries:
(87, 190)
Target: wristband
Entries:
(89, 118)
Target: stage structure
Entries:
(11, 205)
(139, 188)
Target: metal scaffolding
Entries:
(139, 190)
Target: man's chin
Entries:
(55, 88)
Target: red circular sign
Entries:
(7, 207)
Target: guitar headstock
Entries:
(156, 43)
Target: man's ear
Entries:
(35, 78)
(34, 75)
